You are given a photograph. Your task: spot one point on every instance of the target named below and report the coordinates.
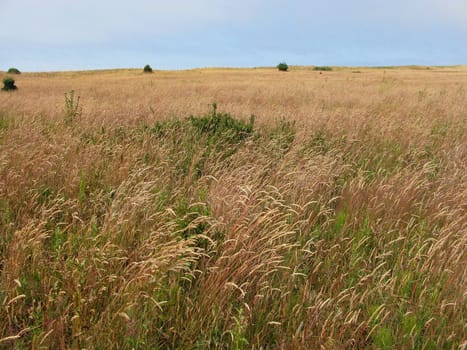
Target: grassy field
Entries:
(152, 211)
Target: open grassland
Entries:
(335, 219)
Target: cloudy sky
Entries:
(47, 35)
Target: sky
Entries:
(52, 35)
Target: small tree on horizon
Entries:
(147, 69)
(13, 71)
(283, 67)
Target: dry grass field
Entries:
(141, 216)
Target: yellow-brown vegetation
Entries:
(336, 221)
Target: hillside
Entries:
(234, 209)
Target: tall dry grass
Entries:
(338, 222)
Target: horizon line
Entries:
(417, 66)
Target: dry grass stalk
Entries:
(339, 222)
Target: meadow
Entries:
(234, 209)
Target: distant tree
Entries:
(147, 69)
(9, 84)
(14, 71)
(283, 67)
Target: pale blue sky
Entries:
(47, 35)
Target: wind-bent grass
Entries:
(336, 219)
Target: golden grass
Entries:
(338, 223)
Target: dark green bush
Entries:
(283, 67)
(222, 125)
(14, 71)
(197, 139)
(214, 127)
(9, 84)
(323, 68)
(147, 69)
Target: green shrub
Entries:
(147, 69)
(323, 68)
(222, 126)
(200, 139)
(283, 67)
(9, 84)
(14, 71)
